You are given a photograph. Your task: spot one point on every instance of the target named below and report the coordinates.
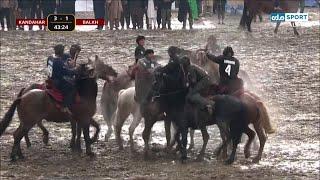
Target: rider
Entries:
(62, 77)
(73, 55)
(144, 78)
(148, 62)
(197, 81)
(228, 70)
(140, 50)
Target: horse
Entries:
(126, 105)
(254, 7)
(102, 71)
(36, 105)
(109, 96)
(230, 109)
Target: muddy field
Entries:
(284, 68)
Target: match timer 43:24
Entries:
(61, 22)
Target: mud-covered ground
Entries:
(284, 69)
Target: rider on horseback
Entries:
(62, 77)
(144, 78)
(198, 81)
(228, 70)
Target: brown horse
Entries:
(102, 71)
(36, 105)
(254, 7)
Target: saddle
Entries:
(55, 93)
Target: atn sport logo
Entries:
(291, 17)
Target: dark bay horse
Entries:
(232, 115)
(254, 7)
(101, 71)
(36, 105)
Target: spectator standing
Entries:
(166, 13)
(67, 7)
(220, 8)
(185, 9)
(6, 11)
(115, 11)
(36, 11)
(24, 7)
(48, 7)
(137, 10)
(125, 16)
(158, 2)
(152, 13)
(99, 10)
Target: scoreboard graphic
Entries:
(60, 22)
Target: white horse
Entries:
(126, 105)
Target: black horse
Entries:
(229, 113)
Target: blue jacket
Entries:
(58, 70)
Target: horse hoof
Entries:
(256, 160)
(200, 158)
(90, 154)
(13, 158)
(45, 140)
(229, 161)
(21, 156)
(247, 154)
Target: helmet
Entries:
(228, 51)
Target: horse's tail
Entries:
(265, 119)
(8, 116)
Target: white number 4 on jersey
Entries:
(228, 69)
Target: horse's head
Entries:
(211, 45)
(103, 71)
(86, 70)
(131, 71)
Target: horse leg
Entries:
(293, 24)
(78, 143)
(120, 117)
(249, 21)
(224, 134)
(73, 132)
(108, 121)
(262, 138)
(223, 146)
(149, 122)
(235, 142)
(277, 26)
(26, 138)
(136, 121)
(205, 137)
(96, 134)
(45, 136)
(184, 143)
(191, 146)
(18, 135)
(167, 127)
(251, 134)
(87, 140)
